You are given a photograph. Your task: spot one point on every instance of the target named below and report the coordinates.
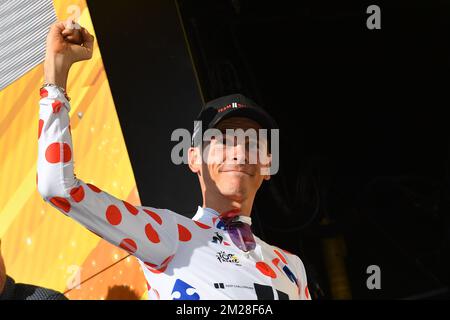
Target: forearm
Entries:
(55, 157)
(56, 70)
(153, 240)
(64, 47)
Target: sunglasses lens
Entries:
(242, 236)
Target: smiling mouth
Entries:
(237, 171)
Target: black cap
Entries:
(234, 105)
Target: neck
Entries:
(224, 204)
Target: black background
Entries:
(364, 133)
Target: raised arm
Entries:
(150, 234)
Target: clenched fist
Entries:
(67, 43)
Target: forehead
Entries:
(238, 123)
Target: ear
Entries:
(194, 159)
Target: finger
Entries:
(56, 29)
(76, 25)
(88, 39)
(84, 52)
(81, 53)
(71, 24)
(58, 26)
(67, 32)
(55, 32)
(74, 36)
(71, 39)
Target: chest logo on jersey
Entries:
(224, 257)
(262, 292)
(184, 291)
(218, 239)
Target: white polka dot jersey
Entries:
(182, 258)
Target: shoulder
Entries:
(282, 253)
(161, 214)
(288, 258)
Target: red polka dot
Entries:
(77, 194)
(156, 293)
(113, 215)
(265, 269)
(160, 270)
(94, 188)
(183, 233)
(67, 153)
(131, 208)
(214, 220)
(43, 92)
(306, 292)
(226, 243)
(154, 215)
(56, 106)
(276, 261)
(41, 125)
(53, 153)
(148, 285)
(128, 245)
(151, 233)
(281, 256)
(61, 203)
(167, 260)
(201, 225)
(150, 265)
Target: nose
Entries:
(238, 153)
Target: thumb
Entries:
(85, 50)
(88, 39)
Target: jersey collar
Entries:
(210, 217)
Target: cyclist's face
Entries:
(232, 162)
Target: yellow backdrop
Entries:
(40, 245)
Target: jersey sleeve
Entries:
(303, 281)
(149, 234)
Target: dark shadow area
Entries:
(364, 139)
(154, 90)
(121, 293)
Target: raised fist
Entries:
(72, 33)
(67, 43)
(70, 41)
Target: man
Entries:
(9, 290)
(214, 255)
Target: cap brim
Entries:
(258, 115)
